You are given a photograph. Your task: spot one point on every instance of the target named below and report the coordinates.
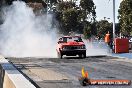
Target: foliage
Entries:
(74, 18)
(125, 17)
(87, 30)
(66, 15)
(65, 5)
(69, 16)
(88, 9)
(103, 27)
(117, 28)
(70, 20)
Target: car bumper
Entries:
(73, 52)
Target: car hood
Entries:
(73, 43)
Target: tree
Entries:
(87, 30)
(74, 18)
(125, 17)
(65, 12)
(70, 20)
(88, 9)
(117, 28)
(61, 6)
(88, 16)
(103, 27)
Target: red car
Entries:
(71, 46)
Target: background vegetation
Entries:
(82, 18)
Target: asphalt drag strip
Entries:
(64, 73)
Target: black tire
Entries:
(80, 55)
(60, 55)
(84, 55)
(84, 81)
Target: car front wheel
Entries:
(80, 55)
(60, 55)
(84, 55)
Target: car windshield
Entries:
(71, 39)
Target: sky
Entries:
(104, 8)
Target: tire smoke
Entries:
(23, 34)
(97, 48)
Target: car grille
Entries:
(72, 47)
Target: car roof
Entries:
(71, 36)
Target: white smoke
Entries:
(97, 48)
(23, 34)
